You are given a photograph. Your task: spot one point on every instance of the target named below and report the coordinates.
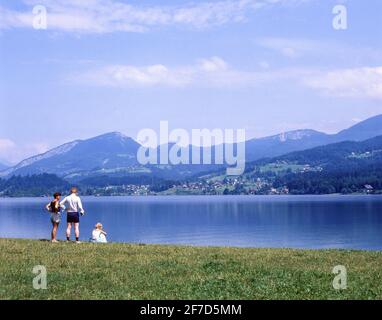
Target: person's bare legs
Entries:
(77, 230)
(54, 231)
(68, 230)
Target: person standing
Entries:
(73, 206)
(55, 209)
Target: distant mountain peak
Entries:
(297, 135)
(114, 134)
(363, 130)
(51, 153)
(109, 149)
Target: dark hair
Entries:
(56, 195)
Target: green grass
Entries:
(123, 271)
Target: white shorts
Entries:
(55, 218)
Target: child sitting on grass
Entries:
(98, 235)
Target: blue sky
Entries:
(104, 65)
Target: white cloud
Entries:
(350, 83)
(211, 72)
(291, 48)
(12, 152)
(6, 144)
(264, 64)
(300, 47)
(214, 64)
(102, 16)
(214, 72)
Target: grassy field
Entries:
(123, 271)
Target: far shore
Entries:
(208, 195)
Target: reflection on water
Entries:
(262, 221)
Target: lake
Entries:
(351, 222)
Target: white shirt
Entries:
(98, 236)
(72, 203)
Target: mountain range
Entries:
(114, 154)
(343, 167)
(297, 140)
(348, 155)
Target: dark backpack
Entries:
(53, 207)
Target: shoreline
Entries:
(141, 244)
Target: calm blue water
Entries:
(262, 221)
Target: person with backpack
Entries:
(54, 208)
